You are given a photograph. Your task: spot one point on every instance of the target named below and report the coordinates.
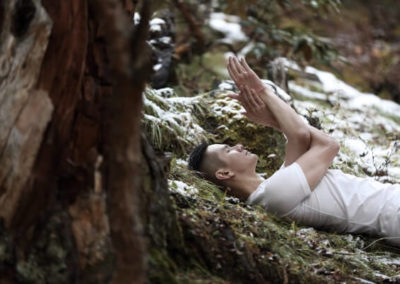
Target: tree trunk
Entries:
(71, 77)
(129, 63)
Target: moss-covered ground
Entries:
(223, 240)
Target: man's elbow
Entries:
(304, 137)
(334, 146)
(300, 137)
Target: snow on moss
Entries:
(170, 121)
(366, 126)
(182, 188)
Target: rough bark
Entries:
(21, 54)
(61, 77)
(130, 66)
(60, 114)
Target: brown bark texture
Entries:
(71, 77)
(129, 65)
(21, 53)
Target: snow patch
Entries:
(156, 24)
(182, 188)
(331, 84)
(228, 25)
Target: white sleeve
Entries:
(283, 191)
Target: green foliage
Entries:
(273, 28)
(264, 22)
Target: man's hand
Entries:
(242, 75)
(256, 110)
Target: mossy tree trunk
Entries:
(71, 162)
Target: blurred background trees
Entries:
(358, 40)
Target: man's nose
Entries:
(239, 147)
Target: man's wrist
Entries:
(266, 95)
(260, 90)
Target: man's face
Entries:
(236, 158)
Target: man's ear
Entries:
(224, 174)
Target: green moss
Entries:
(227, 240)
(161, 268)
(207, 190)
(47, 261)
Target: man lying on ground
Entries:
(303, 189)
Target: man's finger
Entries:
(245, 65)
(238, 97)
(246, 94)
(232, 67)
(238, 68)
(231, 70)
(242, 100)
(234, 96)
(258, 99)
(253, 100)
(232, 75)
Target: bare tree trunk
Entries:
(65, 102)
(130, 66)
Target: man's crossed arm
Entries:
(312, 149)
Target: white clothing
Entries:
(339, 203)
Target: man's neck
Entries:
(244, 185)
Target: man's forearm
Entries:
(317, 136)
(290, 123)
